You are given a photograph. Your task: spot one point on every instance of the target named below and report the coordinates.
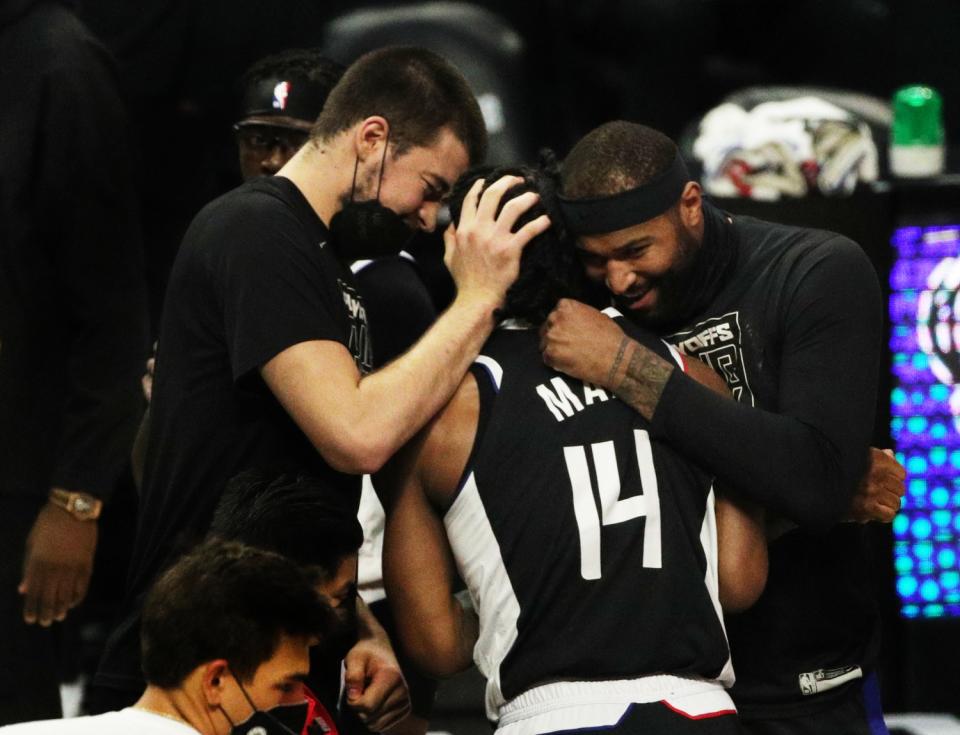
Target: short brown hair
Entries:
(230, 601)
(615, 157)
(417, 91)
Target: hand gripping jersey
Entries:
(589, 552)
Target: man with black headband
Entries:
(588, 614)
(791, 318)
(265, 356)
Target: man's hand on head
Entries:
(482, 252)
(881, 490)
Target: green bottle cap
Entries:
(917, 116)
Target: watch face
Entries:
(82, 508)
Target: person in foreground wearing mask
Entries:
(225, 637)
(265, 357)
(293, 516)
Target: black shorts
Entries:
(858, 712)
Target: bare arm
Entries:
(418, 566)
(358, 423)
(742, 550)
(741, 538)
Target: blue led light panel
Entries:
(925, 417)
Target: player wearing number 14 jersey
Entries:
(594, 558)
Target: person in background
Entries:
(281, 97)
(73, 331)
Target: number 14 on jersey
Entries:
(612, 508)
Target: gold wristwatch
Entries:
(81, 506)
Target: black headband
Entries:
(291, 96)
(600, 215)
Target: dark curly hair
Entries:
(549, 268)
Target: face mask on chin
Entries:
(280, 720)
(362, 230)
(276, 721)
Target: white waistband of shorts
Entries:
(547, 697)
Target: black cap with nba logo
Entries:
(283, 101)
(287, 90)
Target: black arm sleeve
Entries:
(804, 460)
(97, 261)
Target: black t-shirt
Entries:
(589, 550)
(398, 304)
(795, 330)
(254, 275)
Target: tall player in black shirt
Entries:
(791, 317)
(265, 356)
(590, 552)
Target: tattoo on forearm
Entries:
(642, 385)
(617, 360)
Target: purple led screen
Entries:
(925, 417)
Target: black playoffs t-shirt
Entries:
(795, 330)
(255, 274)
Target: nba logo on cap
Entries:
(280, 93)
